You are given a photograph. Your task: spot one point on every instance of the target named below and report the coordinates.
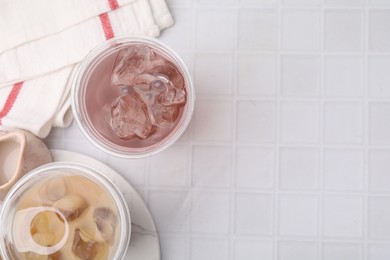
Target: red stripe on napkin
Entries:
(9, 103)
(106, 24)
(113, 4)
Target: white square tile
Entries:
(378, 76)
(299, 168)
(300, 29)
(52, 143)
(85, 147)
(342, 251)
(245, 249)
(379, 2)
(343, 216)
(209, 249)
(214, 2)
(344, 3)
(379, 28)
(343, 30)
(298, 215)
(213, 74)
(300, 75)
(299, 122)
(343, 122)
(379, 217)
(56, 132)
(301, 2)
(255, 167)
(142, 192)
(132, 170)
(257, 74)
(254, 214)
(379, 170)
(180, 34)
(214, 29)
(297, 250)
(379, 123)
(211, 166)
(178, 2)
(210, 212)
(343, 169)
(169, 167)
(379, 252)
(259, 2)
(344, 76)
(170, 210)
(174, 248)
(256, 121)
(73, 131)
(257, 29)
(212, 120)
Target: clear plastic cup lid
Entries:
(132, 97)
(64, 211)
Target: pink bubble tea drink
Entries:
(132, 97)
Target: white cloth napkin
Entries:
(37, 60)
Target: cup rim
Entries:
(96, 176)
(89, 133)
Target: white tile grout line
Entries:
(233, 194)
(327, 99)
(278, 135)
(295, 144)
(270, 191)
(366, 137)
(191, 133)
(147, 186)
(321, 170)
(190, 136)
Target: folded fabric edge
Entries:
(64, 117)
(165, 21)
(161, 13)
(37, 104)
(151, 29)
(111, 5)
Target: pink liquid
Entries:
(99, 96)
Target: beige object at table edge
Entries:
(32, 153)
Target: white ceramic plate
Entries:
(144, 242)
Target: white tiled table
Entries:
(288, 153)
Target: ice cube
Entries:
(130, 62)
(165, 115)
(84, 247)
(150, 92)
(169, 70)
(159, 85)
(130, 118)
(56, 256)
(72, 206)
(53, 190)
(173, 97)
(33, 256)
(147, 94)
(144, 78)
(106, 222)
